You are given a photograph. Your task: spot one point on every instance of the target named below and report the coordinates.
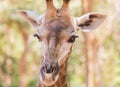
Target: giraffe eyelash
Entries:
(72, 38)
(38, 37)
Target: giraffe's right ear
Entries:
(90, 21)
(32, 17)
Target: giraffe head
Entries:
(56, 31)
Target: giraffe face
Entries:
(56, 40)
(56, 32)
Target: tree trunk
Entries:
(93, 76)
(23, 62)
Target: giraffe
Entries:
(57, 30)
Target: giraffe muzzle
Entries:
(49, 73)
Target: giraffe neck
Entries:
(62, 81)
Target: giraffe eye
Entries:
(72, 38)
(36, 35)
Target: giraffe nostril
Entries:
(48, 71)
(53, 69)
(43, 69)
(49, 68)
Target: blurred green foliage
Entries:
(12, 44)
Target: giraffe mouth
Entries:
(48, 79)
(49, 73)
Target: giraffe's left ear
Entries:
(89, 21)
(32, 17)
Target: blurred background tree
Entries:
(20, 58)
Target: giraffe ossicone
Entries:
(56, 31)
